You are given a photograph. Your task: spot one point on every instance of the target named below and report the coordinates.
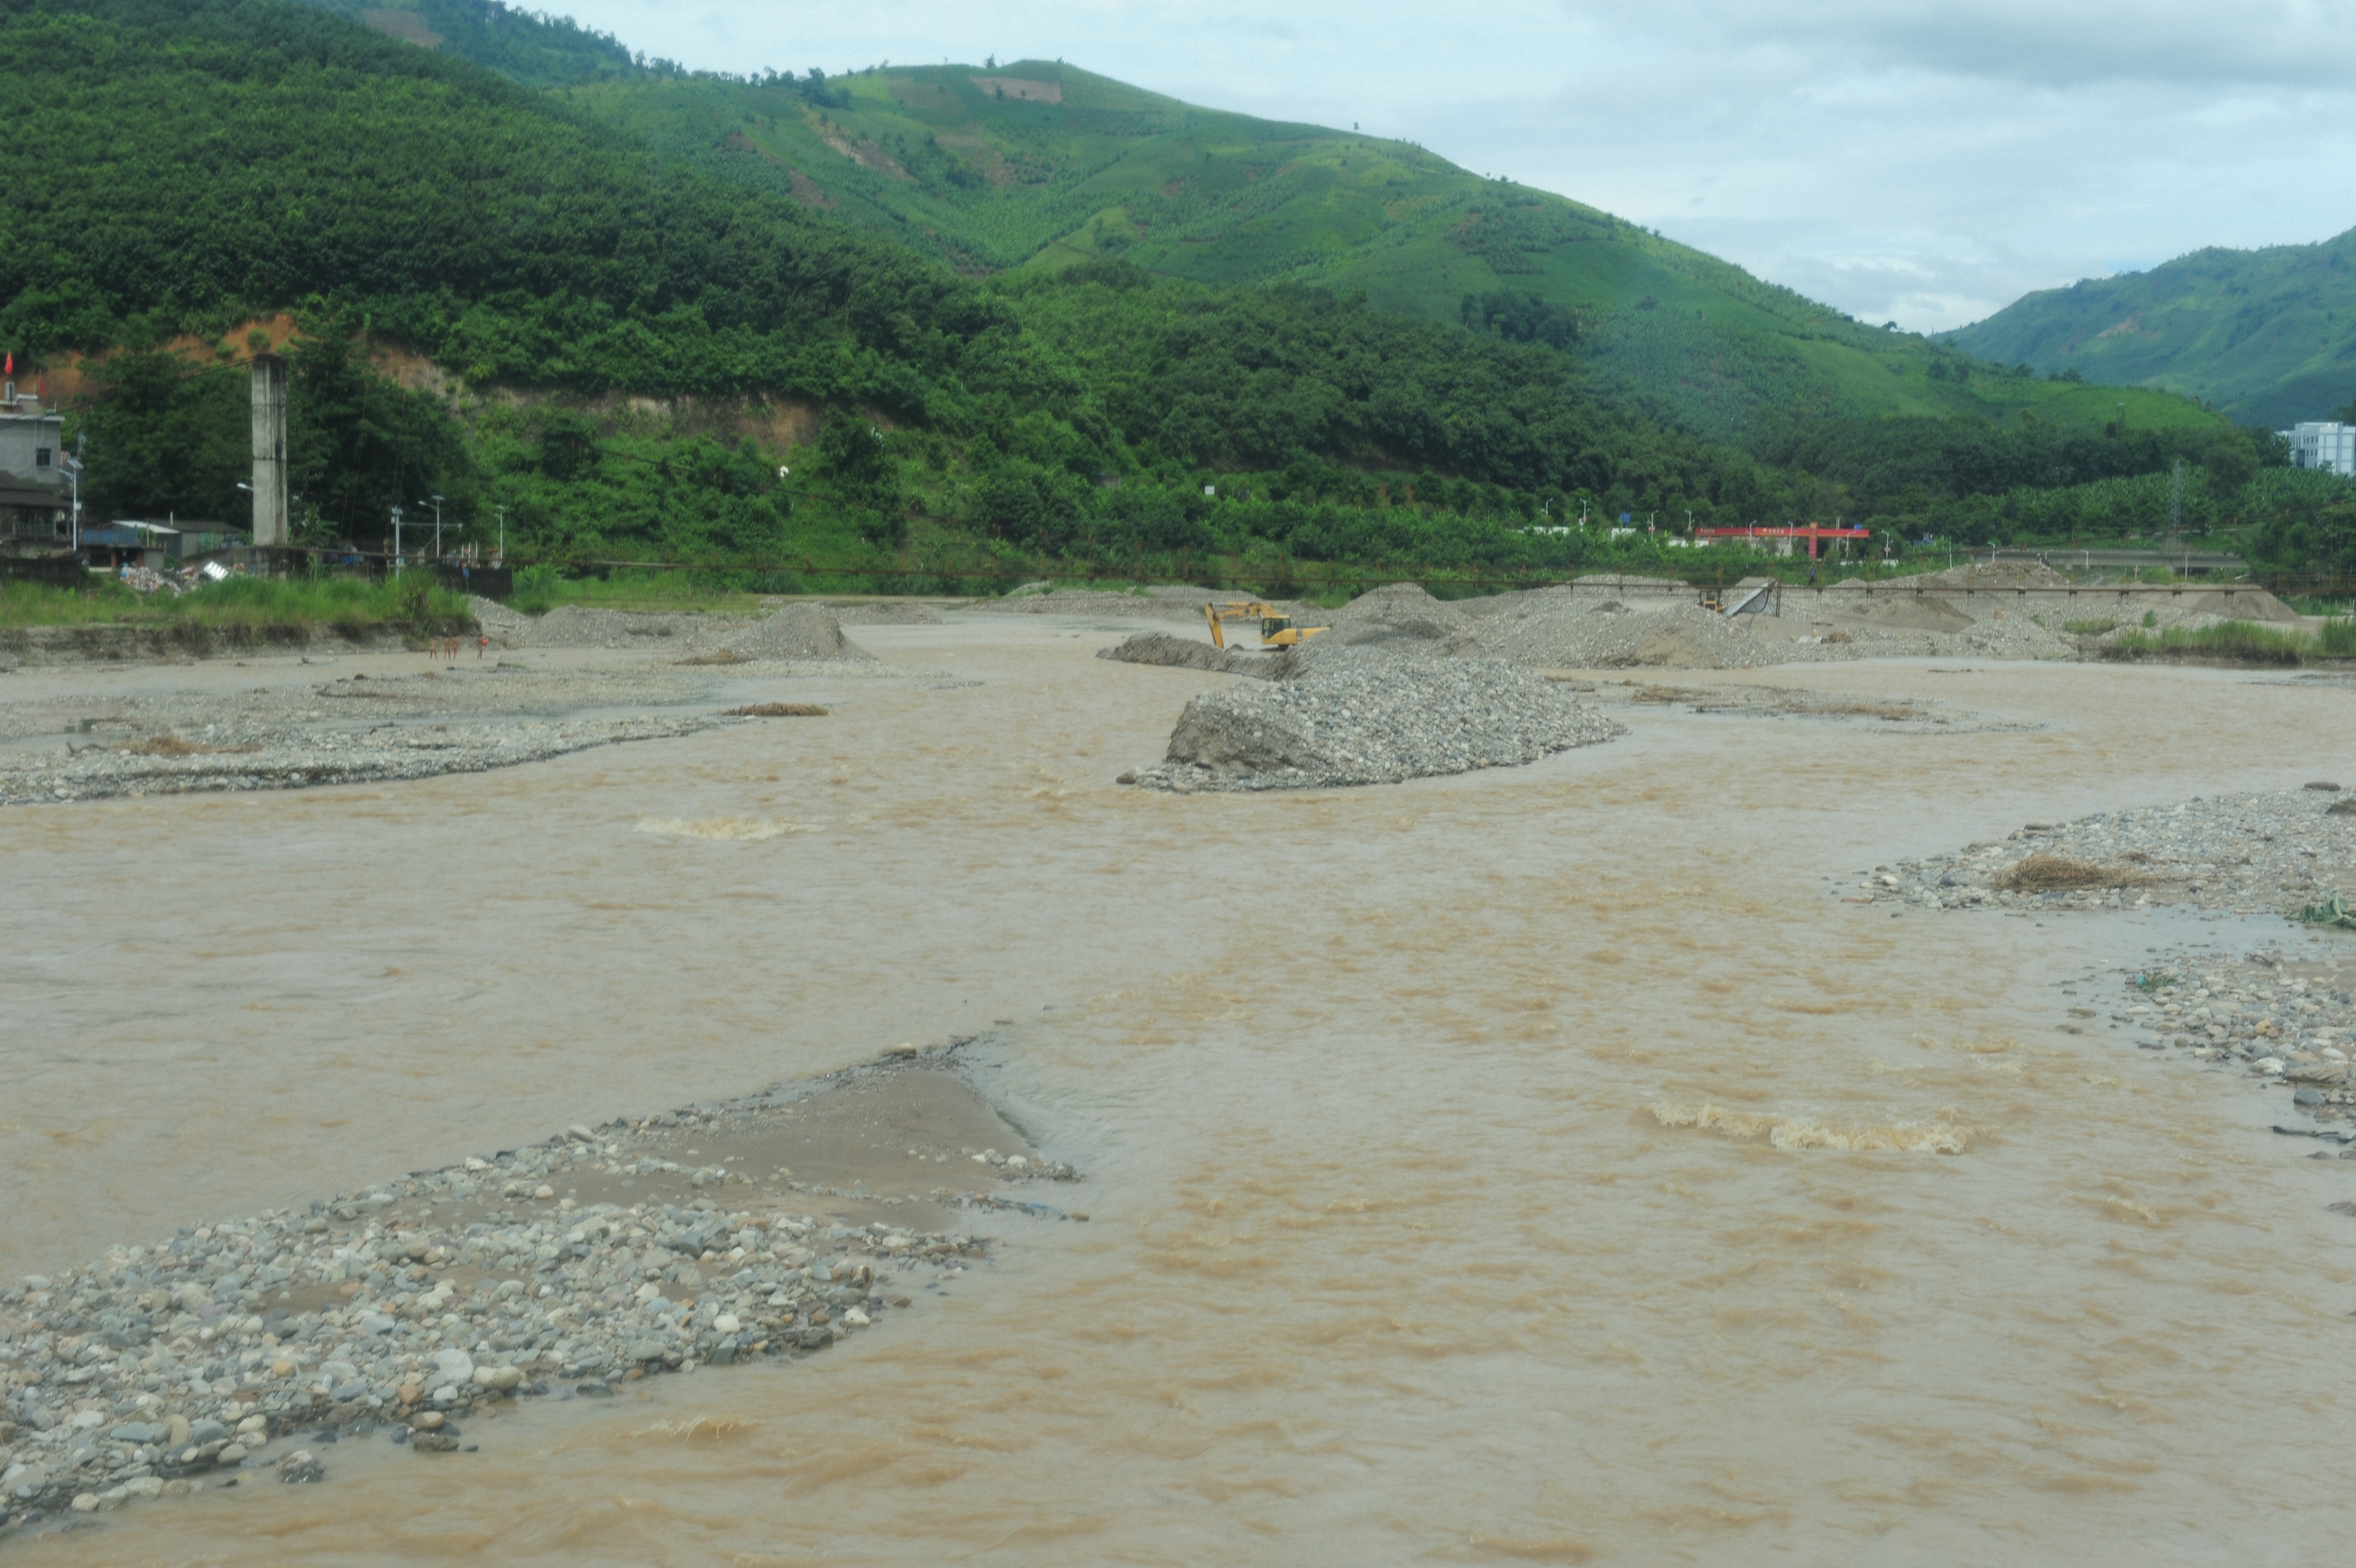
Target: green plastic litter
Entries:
(2336, 913)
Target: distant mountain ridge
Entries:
(1036, 164)
(2267, 336)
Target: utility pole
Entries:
(503, 536)
(73, 472)
(396, 539)
(437, 527)
(2176, 505)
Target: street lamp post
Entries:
(503, 536)
(437, 526)
(396, 539)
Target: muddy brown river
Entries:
(1540, 1164)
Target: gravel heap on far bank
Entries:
(804, 633)
(160, 1369)
(2254, 854)
(1360, 718)
(1587, 627)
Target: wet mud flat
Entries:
(420, 1309)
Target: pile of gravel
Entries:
(797, 632)
(508, 627)
(1401, 617)
(1171, 651)
(1360, 718)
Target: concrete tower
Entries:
(269, 449)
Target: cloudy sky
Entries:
(1921, 163)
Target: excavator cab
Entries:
(1277, 631)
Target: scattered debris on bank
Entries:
(421, 1307)
(2278, 852)
(1360, 718)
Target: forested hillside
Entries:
(513, 303)
(1040, 165)
(2267, 336)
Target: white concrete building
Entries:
(2323, 444)
(29, 439)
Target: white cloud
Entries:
(1927, 164)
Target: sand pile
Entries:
(1993, 574)
(1586, 628)
(1362, 717)
(570, 626)
(802, 632)
(796, 632)
(2217, 604)
(1853, 607)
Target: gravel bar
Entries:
(2270, 853)
(414, 1304)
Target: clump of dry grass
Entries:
(169, 745)
(2060, 874)
(777, 711)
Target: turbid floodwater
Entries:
(1533, 1164)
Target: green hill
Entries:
(631, 354)
(2267, 335)
(1036, 164)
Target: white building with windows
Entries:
(2323, 444)
(30, 438)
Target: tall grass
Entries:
(2237, 639)
(241, 604)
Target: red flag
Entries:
(11, 369)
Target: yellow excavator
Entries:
(1276, 629)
